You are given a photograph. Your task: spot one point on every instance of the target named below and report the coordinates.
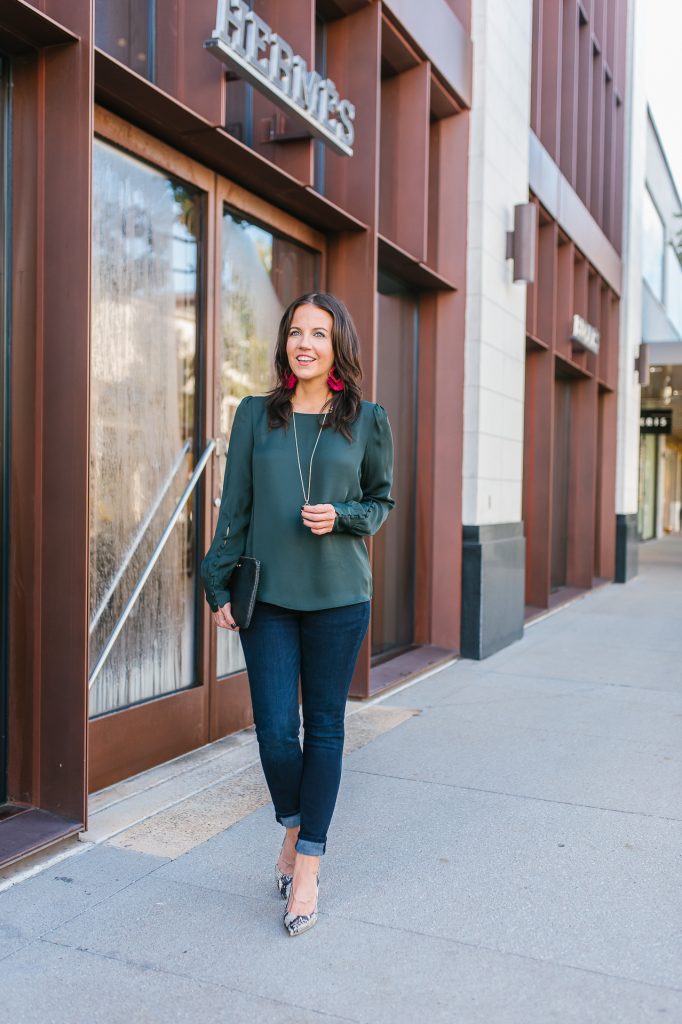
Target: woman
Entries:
(309, 474)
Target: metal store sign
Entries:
(584, 334)
(656, 421)
(245, 43)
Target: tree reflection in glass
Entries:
(142, 430)
(261, 274)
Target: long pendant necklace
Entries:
(306, 497)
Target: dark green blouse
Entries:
(260, 508)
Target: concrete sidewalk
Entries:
(510, 854)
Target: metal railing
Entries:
(137, 539)
(156, 554)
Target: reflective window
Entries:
(261, 274)
(673, 287)
(143, 433)
(653, 243)
(126, 30)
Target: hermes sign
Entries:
(245, 43)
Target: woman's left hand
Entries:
(320, 518)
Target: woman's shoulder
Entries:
(373, 411)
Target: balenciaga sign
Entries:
(244, 42)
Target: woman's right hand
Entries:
(223, 618)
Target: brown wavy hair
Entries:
(345, 405)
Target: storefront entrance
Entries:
(190, 277)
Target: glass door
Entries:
(266, 260)
(190, 276)
(144, 436)
(394, 545)
(261, 274)
(149, 248)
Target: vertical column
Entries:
(354, 46)
(493, 551)
(51, 156)
(630, 332)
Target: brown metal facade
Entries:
(397, 208)
(578, 85)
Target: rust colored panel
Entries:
(200, 81)
(51, 154)
(569, 91)
(23, 28)
(449, 200)
(584, 143)
(352, 275)
(296, 24)
(597, 154)
(547, 282)
(167, 46)
(353, 61)
(550, 77)
(425, 482)
(605, 503)
(404, 171)
(538, 443)
(130, 741)
(24, 520)
(582, 490)
(536, 69)
(231, 705)
(66, 174)
(565, 301)
(448, 429)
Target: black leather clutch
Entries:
(243, 585)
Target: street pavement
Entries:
(508, 853)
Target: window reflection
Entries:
(125, 29)
(261, 274)
(653, 243)
(142, 426)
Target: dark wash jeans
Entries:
(323, 646)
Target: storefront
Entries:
(572, 311)
(182, 211)
(570, 422)
(660, 454)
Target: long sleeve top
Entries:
(260, 507)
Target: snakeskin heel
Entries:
(283, 881)
(297, 923)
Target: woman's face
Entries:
(309, 346)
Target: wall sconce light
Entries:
(642, 365)
(521, 242)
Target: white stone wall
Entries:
(627, 455)
(495, 340)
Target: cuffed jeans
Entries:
(322, 646)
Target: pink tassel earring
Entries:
(290, 381)
(334, 381)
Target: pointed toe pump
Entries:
(297, 923)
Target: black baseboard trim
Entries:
(493, 588)
(627, 547)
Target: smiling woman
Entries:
(312, 606)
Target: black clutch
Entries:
(243, 585)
